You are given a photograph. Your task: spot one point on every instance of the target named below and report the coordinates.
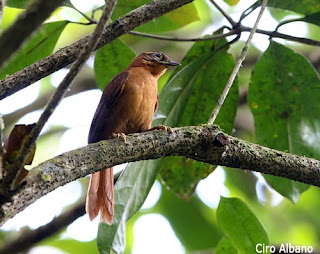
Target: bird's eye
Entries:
(158, 56)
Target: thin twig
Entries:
(275, 34)
(69, 54)
(27, 22)
(168, 38)
(1, 148)
(226, 15)
(286, 22)
(248, 11)
(62, 88)
(238, 30)
(234, 73)
(29, 238)
(2, 5)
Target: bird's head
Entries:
(155, 61)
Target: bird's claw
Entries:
(162, 128)
(121, 136)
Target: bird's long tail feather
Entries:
(100, 195)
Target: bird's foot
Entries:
(121, 136)
(162, 128)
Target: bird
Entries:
(127, 105)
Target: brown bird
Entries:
(127, 105)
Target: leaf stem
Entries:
(235, 71)
(226, 15)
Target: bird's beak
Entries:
(171, 63)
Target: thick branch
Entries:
(202, 143)
(67, 55)
(28, 21)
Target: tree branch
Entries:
(236, 68)
(2, 5)
(67, 55)
(27, 22)
(203, 143)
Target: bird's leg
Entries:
(121, 136)
(162, 128)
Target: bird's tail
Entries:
(100, 195)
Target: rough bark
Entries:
(203, 143)
(67, 55)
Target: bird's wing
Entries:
(157, 105)
(110, 96)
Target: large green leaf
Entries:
(241, 225)
(300, 6)
(130, 192)
(17, 3)
(193, 222)
(110, 60)
(38, 46)
(171, 21)
(284, 98)
(313, 18)
(188, 99)
(225, 246)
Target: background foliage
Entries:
(273, 102)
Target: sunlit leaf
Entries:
(241, 225)
(232, 2)
(285, 105)
(110, 60)
(130, 192)
(188, 99)
(171, 21)
(225, 246)
(38, 46)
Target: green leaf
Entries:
(130, 192)
(301, 6)
(188, 99)
(193, 222)
(110, 60)
(241, 225)
(71, 245)
(225, 246)
(39, 46)
(171, 21)
(17, 3)
(285, 105)
(21, 4)
(312, 18)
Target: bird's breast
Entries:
(139, 97)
